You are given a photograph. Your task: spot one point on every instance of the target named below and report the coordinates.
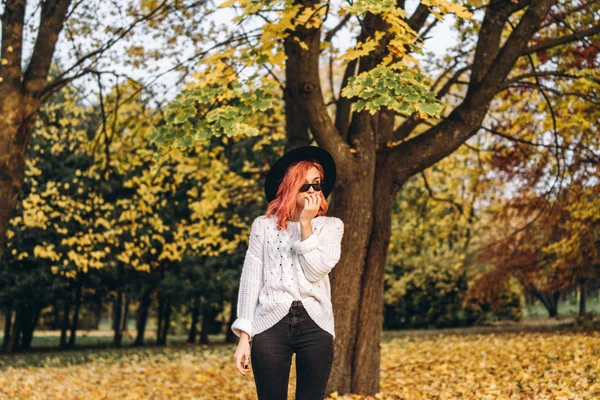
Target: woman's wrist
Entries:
(306, 229)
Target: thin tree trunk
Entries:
(65, 322)
(194, 325)
(125, 313)
(55, 323)
(7, 327)
(142, 317)
(117, 323)
(550, 302)
(14, 343)
(97, 313)
(230, 337)
(161, 318)
(582, 298)
(166, 323)
(75, 323)
(206, 323)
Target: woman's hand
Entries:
(312, 204)
(242, 356)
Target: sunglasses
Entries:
(316, 186)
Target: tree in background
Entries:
(96, 44)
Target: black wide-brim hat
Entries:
(310, 153)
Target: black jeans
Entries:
(271, 357)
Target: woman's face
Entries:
(312, 176)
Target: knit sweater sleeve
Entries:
(321, 251)
(250, 281)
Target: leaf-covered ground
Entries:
(486, 366)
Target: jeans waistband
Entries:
(297, 303)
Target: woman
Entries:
(284, 302)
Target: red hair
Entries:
(284, 203)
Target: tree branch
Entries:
(52, 19)
(550, 43)
(419, 17)
(458, 207)
(330, 34)
(343, 105)
(422, 151)
(561, 74)
(490, 35)
(110, 43)
(303, 89)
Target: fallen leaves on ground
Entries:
(492, 366)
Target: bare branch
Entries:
(550, 43)
(110, 43)
(454, 204)
(560, 74)
(330, 34)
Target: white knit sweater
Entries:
(280, 267)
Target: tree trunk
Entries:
(14, 139)
(117, 323)
(206, 322)
(194, 325)
(55, 323)
(549, 300)
(29, 327)
(582, 298)
(230, 337)
(142, 317)
(76, 313)
(65, 322)
(97, 312)
(7, 327)
(21, 94)
(162, 339)
(367, 348)
(160, 318)
(125, 313)
(14, 343)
